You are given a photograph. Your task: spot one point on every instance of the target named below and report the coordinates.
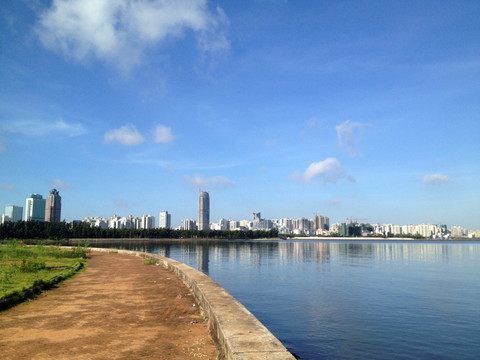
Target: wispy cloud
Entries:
(120, 31)
(2, 147)
(436, 179)
(209, 183)
(126, 135)
(7, 187)
(348, 134)
(271, 142)
(329, 170)
(163, 134)
(59, 184)
(41, 128)
(333, 202)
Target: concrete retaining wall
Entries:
(238, 334)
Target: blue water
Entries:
(351, 300)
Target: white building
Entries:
(96, 221)
(147, 222)
(164, 220)
(247, 224)
(189, 224)
(234, 225)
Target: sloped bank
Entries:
(18, 297)
(238, 334)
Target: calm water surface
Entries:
(350, 300)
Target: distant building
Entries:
(96, 221)
(222, 224)
(53, 208)
(189, 224)
(147, 222)
(257, 216)
(130, 222)
(233, 225)
(165, 220)
(35, 208)
(13, 213)
(203, 210)
(321, 222)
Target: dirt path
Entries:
(118, 308)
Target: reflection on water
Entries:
(288, 252)
(344, 300)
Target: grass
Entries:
(150, 261)
(25, 267)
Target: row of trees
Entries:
(81, 230)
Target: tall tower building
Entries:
(203, 211)
(164, 220)
(35, 208)
(53, 208)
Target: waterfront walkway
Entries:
(118, 308)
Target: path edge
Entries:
(237, 333)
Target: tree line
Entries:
(80, 230)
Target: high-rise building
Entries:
(321, 222)
(165, 220)
(53, 208)
(147, 222)
(13, 213)
(203, 211)
(35, 208)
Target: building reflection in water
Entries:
(203, 257)
(258, 253)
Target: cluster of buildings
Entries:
(131, 222)
(36, 208)
(49, 209)
(319, 225)
(429, 231)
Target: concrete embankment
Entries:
(238, 333)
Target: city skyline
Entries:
(366, 110)
(38, 208)
(319, 225)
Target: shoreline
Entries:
(298, 238)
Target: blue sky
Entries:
(363, 109)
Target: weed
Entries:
(150, 261)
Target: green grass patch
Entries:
(24, 267)
(150, 261)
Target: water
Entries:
(350, 300)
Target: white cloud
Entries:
(329, 170)
(41, 128)
(163, 134)
(333, 202)
(120, 31)
(207, 183)
(126, 135)
(436, 179)
(7, 187)
(348, 134)
(59, 184)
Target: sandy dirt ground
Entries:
(118, 308)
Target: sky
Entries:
(366, 110)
